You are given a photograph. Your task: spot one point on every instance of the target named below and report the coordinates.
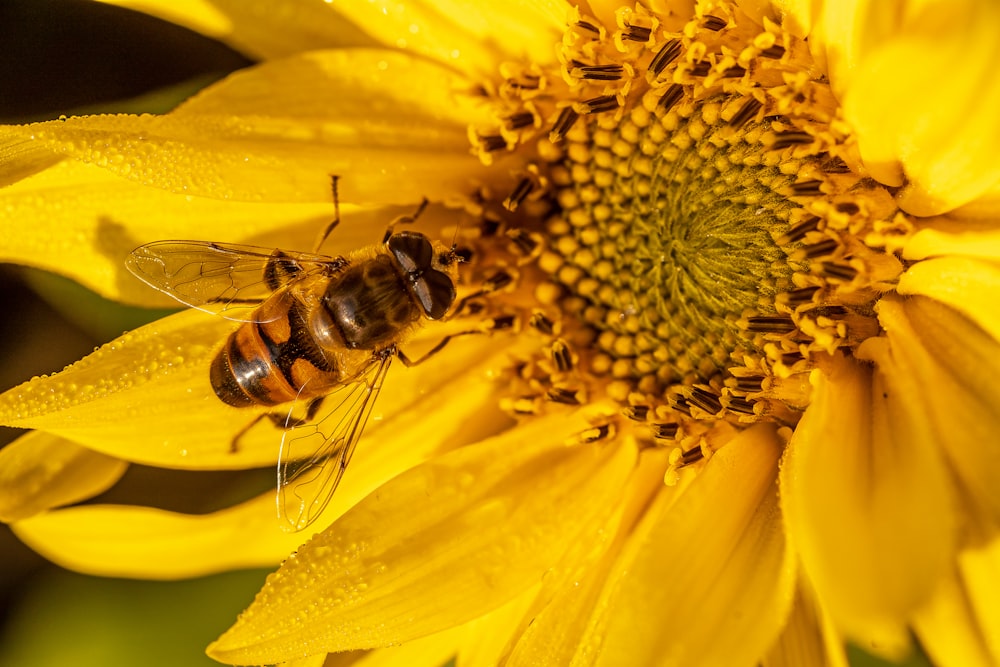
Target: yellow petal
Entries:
(147, 397)
(39, 471)
(948, 628)
(710, 581)
(954, 365)
(867, 499)
(808, 638)
(436, 546)
(409, 425)
(486, 637)
(969, 286)
(979, 242)
(930, 64)
(470, 37)
(568, 617)
(81, 221)
(392, 126)
(259, 28)
(148, 543)
(980, 573)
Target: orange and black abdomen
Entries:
(273, 361)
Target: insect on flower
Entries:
(317, 333)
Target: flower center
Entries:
(668, 227)
(710, 224)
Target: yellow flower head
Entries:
(730, 268)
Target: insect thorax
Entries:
(369, 304)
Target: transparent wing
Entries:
(225, 279)
(315, 454)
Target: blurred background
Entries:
(75, 57)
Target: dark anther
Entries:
(714, 23)
(746, 112)
(542, 323)
(598, 72)
(664, 431)
(489, 225)
(791, 358)
(666, 55)
(838, 271)
(671, 97)
(564, 396)
(807, 188)
(775, 51)
(835, 165)
(848, 207)
(498, 280)
(596, 433)
(821, 249)
(681, 405)
(521, 191)
(503, 322)
(567, 117)
(741, 405)
(562, 357)
(701, 68)
(705, 400)
(770, 324)
(527, 82)
(519, 120)
(786, 139)
(750, 383)
(493, 142)
(635, 33)
(599, 104)
(636, 413)
(691, 456)
(734, 72)
(798, 232)
(523, 241)
(833, 312)
(590, 27)
(799, 297)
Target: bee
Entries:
(312, 328)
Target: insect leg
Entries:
(336, 214)
(405, 219)
(499, 323)
(280, 420)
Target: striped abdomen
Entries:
(276, 360)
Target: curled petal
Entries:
(867, 498)
(40, 471)
(716, 554)
(938, 350)
(931, 63)
(568, 616)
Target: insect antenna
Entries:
(336, 214)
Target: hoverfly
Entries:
(313, 328)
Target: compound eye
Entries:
(412, 250)
(436, 292)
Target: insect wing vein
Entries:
(225, 279)
(315, 454)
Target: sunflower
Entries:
(734, 264)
